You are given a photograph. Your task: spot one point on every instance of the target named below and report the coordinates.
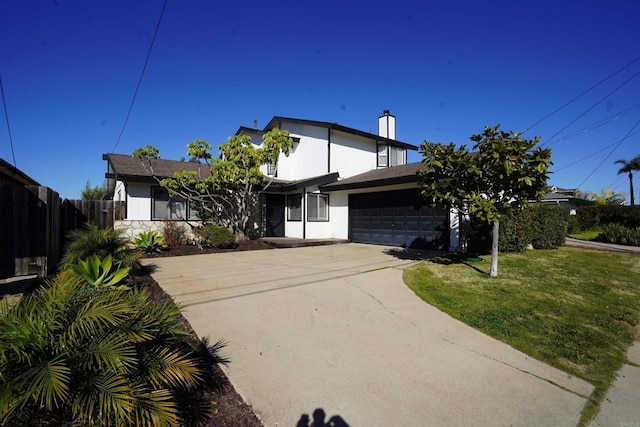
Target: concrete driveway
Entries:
(334, 327)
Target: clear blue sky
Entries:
(444, 69)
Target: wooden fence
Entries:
(34, 222)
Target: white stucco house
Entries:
(338, 182)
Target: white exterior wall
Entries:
(309, 159)
(352, 154)
(139, 201)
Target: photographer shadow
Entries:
(319, 416)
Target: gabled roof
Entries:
(12, 175)
(277, 120)
(127, 168)
(386, 176)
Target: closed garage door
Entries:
(397, 218)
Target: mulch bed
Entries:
(229, 409)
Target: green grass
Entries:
(586, 235)
(571, 308)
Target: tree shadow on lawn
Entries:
(459, 258)
(411, 254)
(436, 257)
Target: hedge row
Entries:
(590, 216)
(541, 226)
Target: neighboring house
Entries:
(337, 182)
(567, 197)
(12, 175)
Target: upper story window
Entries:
(397, 156)
(271, 169)
(383, 155)
(389, 155)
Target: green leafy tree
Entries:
(629, 167)
(607, 196)
(502, 174)
(224, 189)
(95, 193)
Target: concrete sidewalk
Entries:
(335, 327)
(609, 247)
(621, 407)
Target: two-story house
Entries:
(338, 182)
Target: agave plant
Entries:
(98, 272)
(71, 354)
(150, 241)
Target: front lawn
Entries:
(577, 310)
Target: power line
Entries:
(611, 152)
(592, 107)
(592, 154)
(582, 94)
(6, 116)
(615, 184)
(596, 125)
(146, 61)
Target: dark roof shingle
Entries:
(127, 168)
(377, 177)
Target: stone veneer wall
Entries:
(132, 228)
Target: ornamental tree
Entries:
(224, 189)
(502, 173)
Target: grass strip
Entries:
(575, 309)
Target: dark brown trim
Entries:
(338, 127)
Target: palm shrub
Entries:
(94, 240)
(72, 354)
(150, 241)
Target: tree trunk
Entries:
(494, 250)
(631, 187)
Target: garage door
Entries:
(397, 218)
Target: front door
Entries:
(275, 215)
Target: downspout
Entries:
(304, 216)
(328, 150)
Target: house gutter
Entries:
(328, 150)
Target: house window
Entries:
(382, 156)
(165, 207)
(294, 207)
(317, 207)
(271, 168)
(397, 156)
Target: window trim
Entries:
(298, 208)
(317, 196)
